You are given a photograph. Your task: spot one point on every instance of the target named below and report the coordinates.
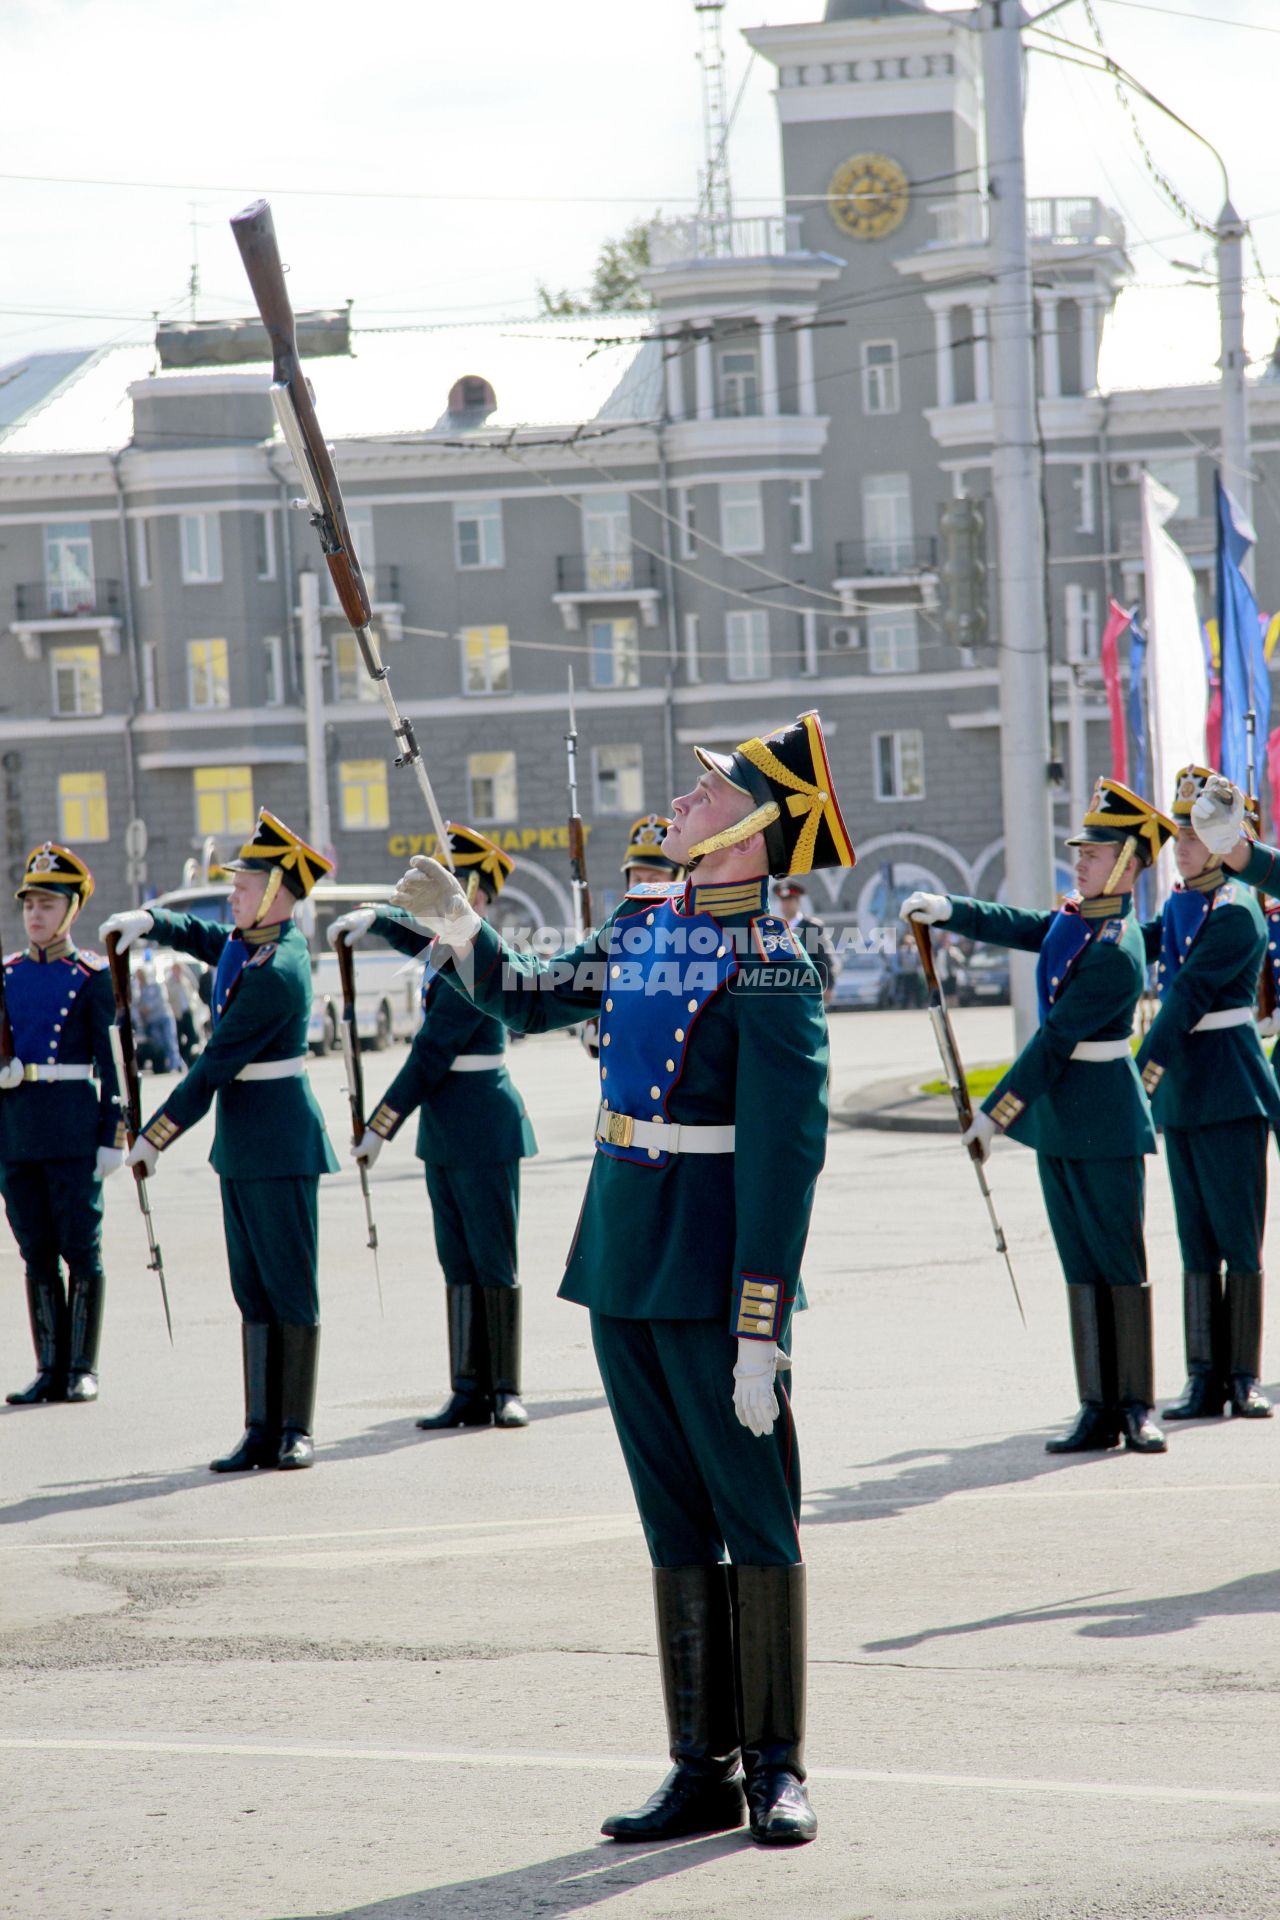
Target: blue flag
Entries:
(1245, 682)
(1138, 728)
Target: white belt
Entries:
(274, 1069)
(477, 1063)
(1226, 1017)
(57, 1073)
(620, 1130)
(1101, 1049)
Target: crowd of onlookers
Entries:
(170, 1011)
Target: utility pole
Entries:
(1015, 485)
(313, 702)
(1236, 474)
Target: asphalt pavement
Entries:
(413, 1681)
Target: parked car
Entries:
(864, 980)
(983, 975)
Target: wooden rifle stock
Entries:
(578, 868)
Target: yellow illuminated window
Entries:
(208, 684)
(82, 806)
(486, 657)
(491, 778)
(77, 679)
(350, 676)
(363, 785)
(224, 800)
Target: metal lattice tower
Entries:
(715, 196)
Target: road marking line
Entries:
(89, 1544)
(629, 1763)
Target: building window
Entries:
(142, 551)
(691, 667)
(150, 693)
(362, 787)
(201, 535)
(893, 644)
(615, 653)
(82, 806)
(739, 382)
(619, 773)
(799, 517)
(741, 517)
(68, 566)
(273, 670)
(606, 536)
(886, 522)
(688, 525)
(350, 680)
(1083, 638)
(879, 376)
(224, 800)
(899, 764)
(208, 683)
(491, 784)
(1085, 488)
(360, 521)
(747, 643)
(486, 660)
(77, 680)
(477, 533)
(264, 545)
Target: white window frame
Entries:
(687, 508)
(142, 550)
(745, 534)
(893, 642)
(476, 811)
(150, 685)
(273, 680)
(84, 674)
(364, 690)
(200, 540)
(346, 783)
(800, 516)
(488, 691)
(74, 592)
(739, 385)
(747, 644)
(1084, 632)
(692, 663)
(207, 706)
(624, 650)
(881, 388)
(490, 545)
(898, 736)
(1086, 488)
(264, 562)
(887, 497)
(630, 804)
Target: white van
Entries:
(388, 987)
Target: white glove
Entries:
(109, 1161)
(434, 898)
(355, 925)
(368, 1147)
(136, 924)
(11, 1075)
(928, 908)
(143, 1154)
(980, 1135)
(1266, 1027)
(1218, 815)
(754, 1400)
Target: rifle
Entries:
(355, 1089)
(131, 1103)
(1266, 979)
(582, 914)
(6, 1028)
(255, 235)
(940, 1020)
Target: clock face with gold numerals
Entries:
(868, 196)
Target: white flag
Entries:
(1177, 681)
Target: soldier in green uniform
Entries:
(709, 1137)
(473, 1133)
(270, 1146)
(60, 1136)
(1074, 1095)
(1216, 1099)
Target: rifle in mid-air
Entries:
(355, 1089)
(131, 1103)
(291, 396)
(582, 913)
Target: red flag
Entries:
(1273, 771)
(1117, 621)
(1213, 724)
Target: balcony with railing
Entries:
(695, 237)
(606, 575)
(1054, 223)
(897, 558)
(59, 606)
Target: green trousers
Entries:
(272, 1230)
(476, 1211)
(1219, 1179)
(55, 1212)
(1096, 1212)
(705, 1485)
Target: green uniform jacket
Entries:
(266, 1129)
(689, 1236)
(463, 1118)
(1198, 1079)
(60, 1007)
(1072, 1109)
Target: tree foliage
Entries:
(615, 284)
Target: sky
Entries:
(434, 161)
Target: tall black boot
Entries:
(1097, 1425)
(502, 1325)
(1135, 1384)
(85, 1290)
(47, 1307)
(1205, 1396)
(1244, 1345)
(299, 1364)
(471, 1403)
(258, 1445)
(703, 1791)
(771, 1696)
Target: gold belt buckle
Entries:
(618, 1129)
(30, 1073)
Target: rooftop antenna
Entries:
(715, 196)
(193, 279)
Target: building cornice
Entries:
(757, 436)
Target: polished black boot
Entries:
(47, 1307)
(770, 1621)
(1097, 1425)
(1244, 1345)
(299, 1364)
(1135, 1385)
(502, 1324)
(703, 1791)
(260, 1444)
(470, 1404)
(1205, 1395)
(85, 1290)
